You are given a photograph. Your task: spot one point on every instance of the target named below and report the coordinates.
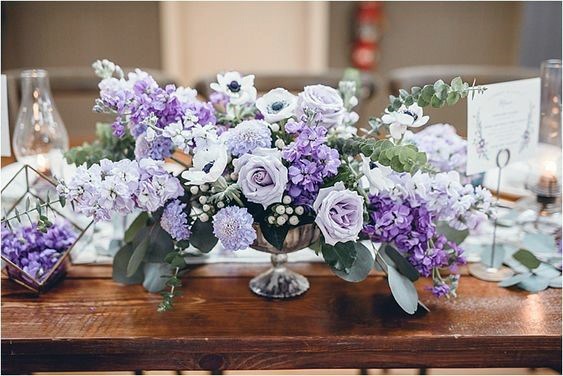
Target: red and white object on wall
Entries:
(368, 25)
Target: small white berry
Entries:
(280, 209)
(279, 143)
(353, 101)
(285, 216)
(202, 199)
(220, 204)
(271, 220)
(289, 210)
(286, 200)
(204, 217)
(234, 176)
(204, 187)
(275, 127)
(281, 220)
(194, 190)
(293, 220)
(299, 210)
(206, 208)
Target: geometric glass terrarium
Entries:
(38, 230)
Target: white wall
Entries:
(200, 39)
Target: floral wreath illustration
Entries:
(479, 141)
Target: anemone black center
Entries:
(414, 116)
(277, 106)
(207, 167)
(234, 86)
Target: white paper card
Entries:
(5, 135)
(505, 116)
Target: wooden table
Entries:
(90, 323)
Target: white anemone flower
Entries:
(208, 164)
(239, 89)
(377, 179)
(405, 117)
(278, 104)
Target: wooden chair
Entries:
(405, 78)
(296, 82)
(74, 91)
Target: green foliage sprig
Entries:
(176, 261)
(42, 209)
(106, 146)
(436, 95)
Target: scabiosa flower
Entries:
(233, 227)
(247, 136)
(174, 220)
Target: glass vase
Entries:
(279, 282)
(550, 120)
(40, 137)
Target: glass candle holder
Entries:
(38, 230)
(40, 137)
(550, 120)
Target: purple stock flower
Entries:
(36, 252)
(174, 220)
(311, 161)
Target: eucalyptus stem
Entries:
(36, 208)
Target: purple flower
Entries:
(440, 289)
(36, 252)
(339, 214)
(247, 136)
(233, 227)
(174, 220)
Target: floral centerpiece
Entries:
(277, 173)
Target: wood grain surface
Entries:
(90, 323)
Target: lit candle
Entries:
(43, 165)
(548, 178)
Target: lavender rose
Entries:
(261, 176)
(325, 101)
(339, 213)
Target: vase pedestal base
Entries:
(279, 282)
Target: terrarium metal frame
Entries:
(50, 278)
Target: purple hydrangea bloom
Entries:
(247, 136)
(36, 252)
(174, 220)
(233, 227)
(311, 161)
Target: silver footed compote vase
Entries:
(279, 282)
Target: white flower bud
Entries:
(285, 216)
(194, 190)
(293, 220)
(281, 221)
(234, 176)
(204, 217)
(275, 127)
(280, 209)
(220, 204)
(353, 101)
(299, 210)
(279, 143)
(286, 200)
(202, 199)
(204, 187)
(271, 220)
(206, 208)
(288, 210)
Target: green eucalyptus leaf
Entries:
(555, 282)
(119, 269)
(457, 84)
(202, 236)
(453, 235)
(136, 225)
(137, 257)
(546, 271)
(340, 256)
(534, 283)
(403, 290)
(452, 98)
(514, 280)
(360, 267)
(404, 267)
(527, 258)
